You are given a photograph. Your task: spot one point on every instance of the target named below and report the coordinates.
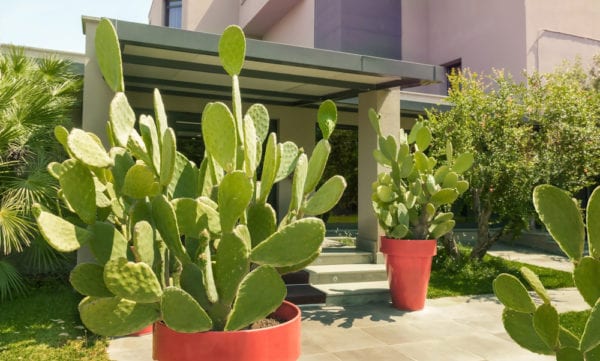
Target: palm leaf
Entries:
(15, 229)
(11, 282)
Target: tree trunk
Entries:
(485, 240)
(450, 245)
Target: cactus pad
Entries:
(115, 316)
(260, 293)
(586, 276)
(143, 242)
(593, 228)
(231, 266)
(77, 184)
(327, 118)
(218, 130)
(511, 292)
(107, 242)
(520, 328)
(232, 49)
(182, 313)
(534, 281)
(260, 116)
(84, 148)
(108, 55)
(122, 119)
(326, 196)
(561, 217)
(168, 157)
(316, 165)
(140, 182)
(288, 152)
(235, 193)
(262, 222)
(270, 167)
(61, 235)
(88, 279)
(545, 322)
(166, 223)
(590, 338)
(149, 135)
(290, 245)
(133, 281)
(463, 162)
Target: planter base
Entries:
(281, 342)
(408, 265)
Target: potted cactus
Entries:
(537, 327)
(410, 200)
(196, 251)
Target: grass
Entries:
(452, 278)
(45, 326)
(575, 321)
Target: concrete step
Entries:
(355, 293)
(342, 255)
(342, 273)
(304, 295)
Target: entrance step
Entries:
(342, 273)
(355, 293)
(305, 295)
(343, 255)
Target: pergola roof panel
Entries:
(187, 63)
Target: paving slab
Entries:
(465, 328)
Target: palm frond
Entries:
(37, 187)
(12, 284)
(15, 228)
(40, 258)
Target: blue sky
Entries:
(56, 24)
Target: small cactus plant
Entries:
(409, 199)
(538, 327)
(196, 247)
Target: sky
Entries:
(56, 24)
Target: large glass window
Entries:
(173, 13)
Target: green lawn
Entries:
(450, 278)
(45, 326)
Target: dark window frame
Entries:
(170, 5)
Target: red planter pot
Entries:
(281, 342)
(144, 331)
(408, 265)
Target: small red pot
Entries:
(144, 331)
(281, 342)
(408, 265)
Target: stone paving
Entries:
(466, 328)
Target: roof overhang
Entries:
(186, 63)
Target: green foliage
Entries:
(540, 131)
(528, 326)
(146, 206)
(35, 96)
(408, 198)
(50, 329)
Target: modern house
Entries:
(362, 54)
(516, 35)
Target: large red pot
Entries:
(281, 342)
(408, 265)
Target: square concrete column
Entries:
(387, 104)
(96, 102)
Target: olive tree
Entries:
(543, 130)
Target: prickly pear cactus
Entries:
(144, 206)
(411, 196)
(537, 327)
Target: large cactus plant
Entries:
(196, 247)
(537, 327)
(409, 198)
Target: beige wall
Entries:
(296, 27)
(561, 30)
(156, 16)
(483, 34)
(212, 16)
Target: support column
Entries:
(96, 101)
(387, 103)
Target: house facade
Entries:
(515, 35)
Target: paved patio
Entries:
(465, 328)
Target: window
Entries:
(173, 13)
(450, 67)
